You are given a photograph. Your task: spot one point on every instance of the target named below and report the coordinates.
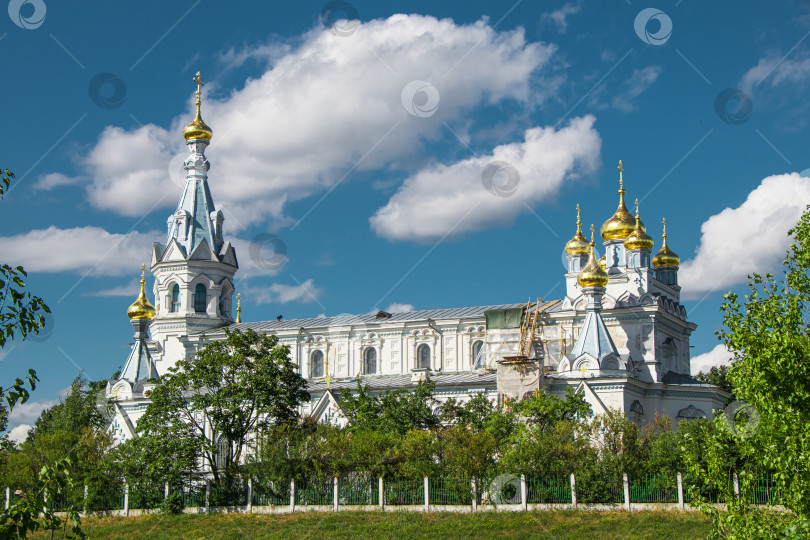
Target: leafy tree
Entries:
(79, 409)
(395, 411)
(217, 401)
(767, 333)
(473, 414)
(544, 409)
(718, 376)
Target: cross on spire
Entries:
(198, 79)
(621, 172)
(636, 206)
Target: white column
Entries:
(382, 494)
(8, 495)
(523, 492)
(736, 486)
(680, 491)
(292, 494)
(250, 495)
(626, 482)
(207, 496)
(474, 495)
(573, 491)
(84, 505)
(335, 493)
(427, 494)
(126, 499)
(165, 491)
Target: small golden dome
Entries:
(621, 223)
(198, 129)
(665, 257)
(603, 262)
(592, 275)
(638, 239)
(141, 308)
(578, 245)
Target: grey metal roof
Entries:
(387, 382)
(369, 319)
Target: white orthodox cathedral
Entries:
(619, 335)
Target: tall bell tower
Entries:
(194, 269)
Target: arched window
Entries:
(316, 365)
(199, 298)
(370, 361)
(423, 356)
(174, 305)
(478, 354)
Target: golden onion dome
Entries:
(578, 245)
(666, 257)
(141, 308)
(592, 275)
(638, 239)
(603, 262)
(621, 223)
(198, 129)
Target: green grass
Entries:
(394, 524)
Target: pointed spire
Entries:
(666, 257)
(577, 245)
(238, 308)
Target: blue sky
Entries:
(372, 181)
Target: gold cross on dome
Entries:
(591, 232)
(621, 171)
(198, 79)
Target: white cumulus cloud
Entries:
(18, 434)
(90, 250)
(719, 356)
(280, 293)
(750, 238)
(452, 199)
(321, 109)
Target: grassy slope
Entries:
(558, 525)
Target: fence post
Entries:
(573, 491)
(626, 482)
(292, 494)
(8, 495)
(475, 494)
(126, 498)
(250, 496)
(207, 495)
(680, 491)
(84, 505)
(382, 494)
(524, 492)
(165, 491)
(427, 494)
(736, 486)
(335, 494)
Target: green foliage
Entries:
(214, 403)
(718, 376)
(20, 311)
(173, 504)
(767, 333)
(32, 510)
(544, 409)
(76, 411)
(393, 411)
(473, 414)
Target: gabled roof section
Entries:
(594, 338)
(139, 364)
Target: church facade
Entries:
(619, 335)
